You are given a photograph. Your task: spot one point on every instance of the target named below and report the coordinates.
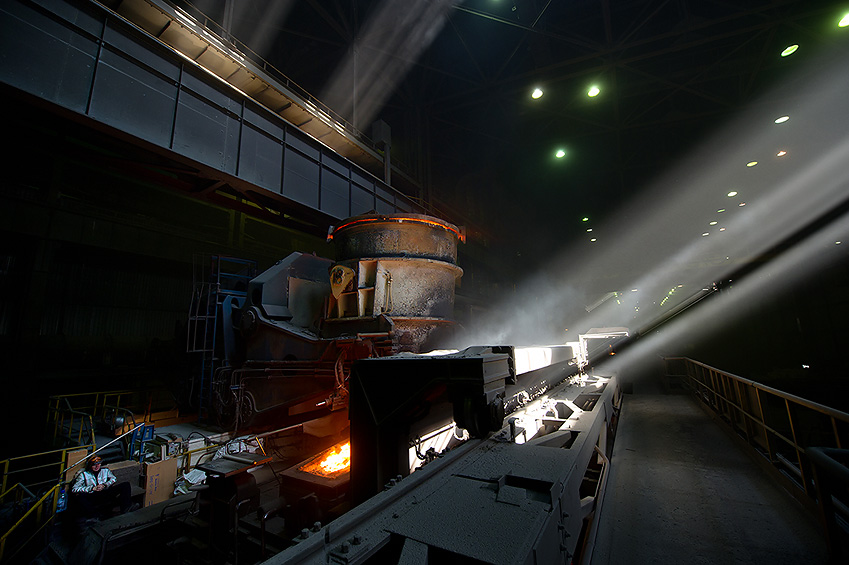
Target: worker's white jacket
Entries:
(86, 480)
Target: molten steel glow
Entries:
(333, 462)
(444, 225)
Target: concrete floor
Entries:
(681, 491)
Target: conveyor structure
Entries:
(526, 494)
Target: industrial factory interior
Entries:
(424, 281)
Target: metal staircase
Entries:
(218, 280)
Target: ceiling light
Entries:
(741, 204)
(844, 22)
(560, 153)
(789, 50)
(593, 91)
(585, 219)
(782, 119)
(593, 239)
(732, 194)
(781, 153)
(713, 223)
(720, 211)
(537, 93)
(706, 234)
(722, 229)
(837, 242)
(751, 163)
(589, 230)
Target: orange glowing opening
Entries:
(460, 235)
(331, 463)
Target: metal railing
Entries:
(35, 473)
(38, 470)
(67, 423)
(782, 428)
(226, 41)
(72, 416)
(30, 524)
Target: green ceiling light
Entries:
(782, 119)
(585, 219)
(751, 163)
(732, 194)
(720, 211)
(560, 153)
(537, 93)
(789, 50)
(844, 22)
(593, 91)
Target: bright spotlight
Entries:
(560, 153)
(720, 211)
(713, 223)
(844, 22)
(585, 219)
(593, 239)
(593, 91)
(782, 119)
(751, 163)
(789, 50)
(732, 194)
(781, 153)
(537, 93)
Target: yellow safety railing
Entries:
(73, 412)
(37, 470)
(31, 523)
(74, 425)
(776, 424)
(779, 426)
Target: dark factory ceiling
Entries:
(454, 81)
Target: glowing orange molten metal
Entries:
(335, 461)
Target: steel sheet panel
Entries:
(334, 194)
(259, 121)
(362, 201)
(72, 13)
(211, 94)
(300, 178)
(133, 99)
(384, 207)
(260, 159)
(205, 133)
(334, 162)
(45, 58)
(302, 146)
(385, 201)
(362, 180)
(141, 52)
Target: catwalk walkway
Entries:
(682, 492)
